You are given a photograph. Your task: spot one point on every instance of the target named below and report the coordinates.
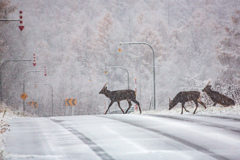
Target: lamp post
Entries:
(52, 95)
(121, 68)
(14, 60)
(154, 88)
(24, 85)
(20, 20)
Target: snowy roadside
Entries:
(216, 110)
(6, 114)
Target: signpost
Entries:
(33, 104)
(20, 19)
(71, 102)
(136, 107)
(24, 96)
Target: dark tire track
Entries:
(201, 122)
(94, 147)
(220, 117)
(187, 143)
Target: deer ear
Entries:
(169, 100)
(105, 85)
(208, 83)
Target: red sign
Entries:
(21, 22)
(45, 71)
(34, 60)
(136, 107)
(21, 27)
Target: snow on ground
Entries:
(6, 114)
(216, 110)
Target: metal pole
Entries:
(124, 69)
(52, 95)
(24, 86)
(9, 20)
(1, 73)
(154, 88)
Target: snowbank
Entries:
(233, 110)
(7, 113)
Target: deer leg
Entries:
(196, 107)
(109, 107)
(182, 108)
(120, 107)
(202, 104)
(186, 109)
(130, 104)
(135, 101)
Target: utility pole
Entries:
(20, 20)
(1, 68)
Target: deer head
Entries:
(103, 91)
(171, 105)
(207, 87)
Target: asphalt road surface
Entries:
(125, 137)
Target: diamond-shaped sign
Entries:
(24, 96)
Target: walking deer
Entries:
(120, 95)
(184, 97)
(217, 97)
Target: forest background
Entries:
(194, 42)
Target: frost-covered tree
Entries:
(5, 9)
(228, 49)
(194, 41)
(5, 49)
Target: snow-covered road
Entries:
(125, 137)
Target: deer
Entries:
(120, 95)
(184, 97)
(217, 97)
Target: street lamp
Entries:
(14, 60)
(24, 85)
(121, 68)
(20, 20)
(154, 90)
